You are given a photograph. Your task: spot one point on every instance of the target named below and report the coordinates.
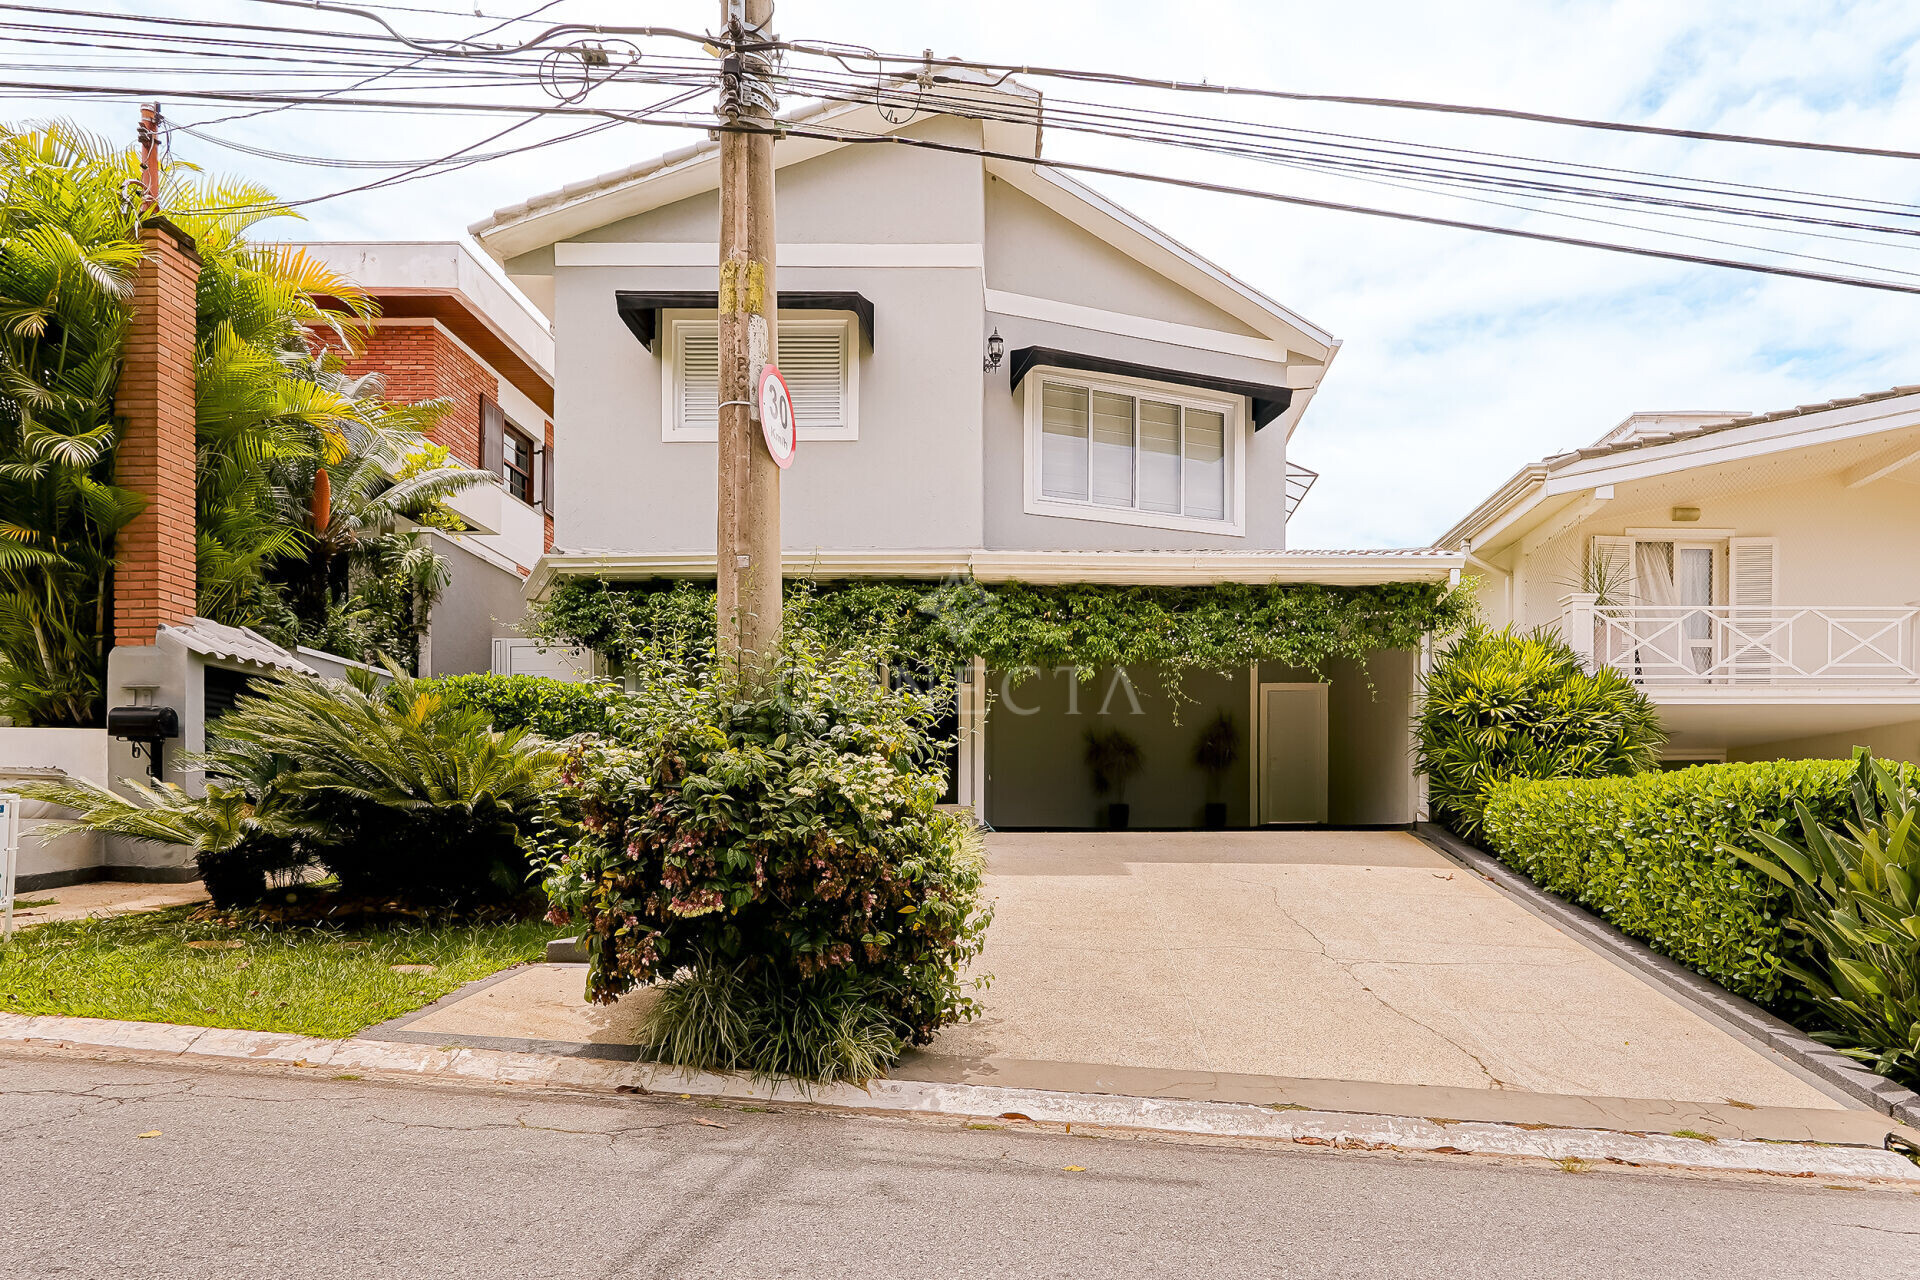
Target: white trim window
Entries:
(819, 358)
(1128, 451)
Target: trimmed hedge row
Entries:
(549, 707)
(1651, 854)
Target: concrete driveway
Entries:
(1326, 970)
(1353, 969)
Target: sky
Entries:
(1463, 355)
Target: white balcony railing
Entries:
(1693, 645)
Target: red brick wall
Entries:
(423, 362)
(155, 582)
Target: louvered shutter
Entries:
(1610, 571)
(546, 479)
(1755, 644)
(814, 363)
(493, 436)
(697, 377)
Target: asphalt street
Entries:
(138, 1168)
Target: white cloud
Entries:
(1464, 355)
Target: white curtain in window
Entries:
(1063, 442)
(1159, 457)
(1653, 572)
(1112, 449)
(1206, 464)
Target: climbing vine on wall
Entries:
(928, 627)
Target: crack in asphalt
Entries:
(520, 1123)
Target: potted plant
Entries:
(1113, 758)
(1217, 751)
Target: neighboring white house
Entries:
(1754, 573)
(1136, 432)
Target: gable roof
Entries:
(1617, 456)
(546, 219)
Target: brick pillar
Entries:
(154, 579)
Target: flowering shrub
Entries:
(775, 855)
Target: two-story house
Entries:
(1136, 431)
(1750, 571)
(449, 330)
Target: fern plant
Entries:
(1856, 906)
(1505, 704)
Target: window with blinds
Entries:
(1151, 455)
(816, 358)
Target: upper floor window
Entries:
(1133, 452)
(817, 357)
(516, 462)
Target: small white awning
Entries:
(212, 639)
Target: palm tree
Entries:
(66, 261)
(271, 409)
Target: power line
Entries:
(1068, 113)
(1661, 206)
(1006, 71)
(435, 168)
(804, 131)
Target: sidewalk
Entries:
(103, 898)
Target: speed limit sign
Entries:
(776, 417)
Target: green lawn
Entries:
(146, 968)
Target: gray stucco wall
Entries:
(912, 479)
(941, 455)
(1036, 763)
(481, 601)
(1369, 736)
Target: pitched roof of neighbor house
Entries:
(442, 280)
(554, 216)
(1684, 440)
(1640, 440)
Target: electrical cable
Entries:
(1661, 207)
(1006, 71)
(802, 131)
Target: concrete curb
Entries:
(979, 1102)
(1741, 1017)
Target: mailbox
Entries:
(148, 726)
(143, 724)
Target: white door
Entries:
(1293, 753)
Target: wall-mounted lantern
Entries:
(996, 352)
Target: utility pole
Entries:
(748, 546)
(149, 137)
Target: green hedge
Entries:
(549, 707)
(1650, 853)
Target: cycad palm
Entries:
(396, 790)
